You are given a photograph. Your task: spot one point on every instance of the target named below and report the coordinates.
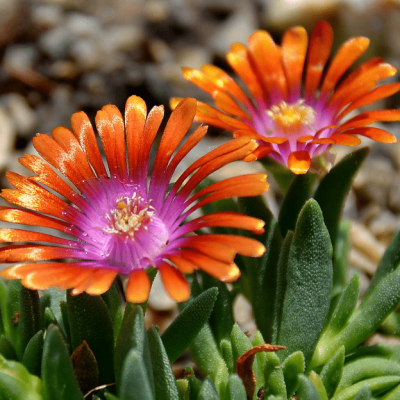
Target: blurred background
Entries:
(61, 56)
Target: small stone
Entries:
(123, 38)
(83, 26)
(160, 51)
(193, 57)
(362, 263)
(47, 16)
(159, 299)
(24, 117)
(394, 193)
(365, 242)
(8, 136)
(87, 53)
(63, 69)
(377, 338)
(156, 11)
(57, 42)
(384, 226)
(19, 56)
(236, 28)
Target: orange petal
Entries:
(138, 286)
(323, 141)
(199, 79)
(267, 59)
(174, 282)
(258, 153)
(228, 105)
(135, 118)
(177, 126)
(102, 282)
(299, 162)
(346, 140)
(119, 132)
(83, 130)
(348, 53)
(66, 139)
(319, 50)
(294, 48)
(304, 139)
(379, 135)
(185, 266)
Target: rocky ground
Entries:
(61, 56)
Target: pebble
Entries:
(19, 56)
(159, 299)
(87, 53)
(47, 16)
(123, 38)
(56, 42)
(361, 262)
(24, 118)
(384, 226)
(364, 241)
(8, 136)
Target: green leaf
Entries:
(309, 284)
(56, 298)
(135, 383)
(32, 358)
(187, 325)
(208, 391)
(263, 271)
(110, 396)
(345, 306)
(113, 302)
(377, 350)
(376, 385)
(341, 251)
(333, 188)
(318, 384)
(11, 313)
(298, 193)
(281, 285)
(164, 382)
(365, 368)
(391, 325)
(364, 394)
(29, 317)
(274, 377)
(292, 367)
(306, 390)
(240, 344)
(227, 355)
(364, 321)
(283, 175)
(90, 320)
(194, 387)
(332, 372)
(7, 348)
(132, 336)
(205, 354)
(58, 377)
(16, 383)
(221, 319)
(235, 389)
(389, 262)
(394, 394)
(183, 389)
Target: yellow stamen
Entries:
(292, 117)
(129, 216)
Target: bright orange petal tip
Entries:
(297, 92)
(138, 287)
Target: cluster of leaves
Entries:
(67, 347)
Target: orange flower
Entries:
(294, 119)
(116, 221)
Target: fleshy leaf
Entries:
(90, 320)
(111, 298)
(208, 391)
(332, 372)
(274, 377)
(7, 349)
(318, 384)
(306, 390)
(16, 383)
(164, 382)
(292, 367)
(298, 193)
(58, 377)
(187, 325)
(341, 257)
(309, 284)
(263, 271)
(132, 336)
(32, 358)
(333, 188)
(135, 383)
(235, 389)
(11, 313)
(29, 317)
